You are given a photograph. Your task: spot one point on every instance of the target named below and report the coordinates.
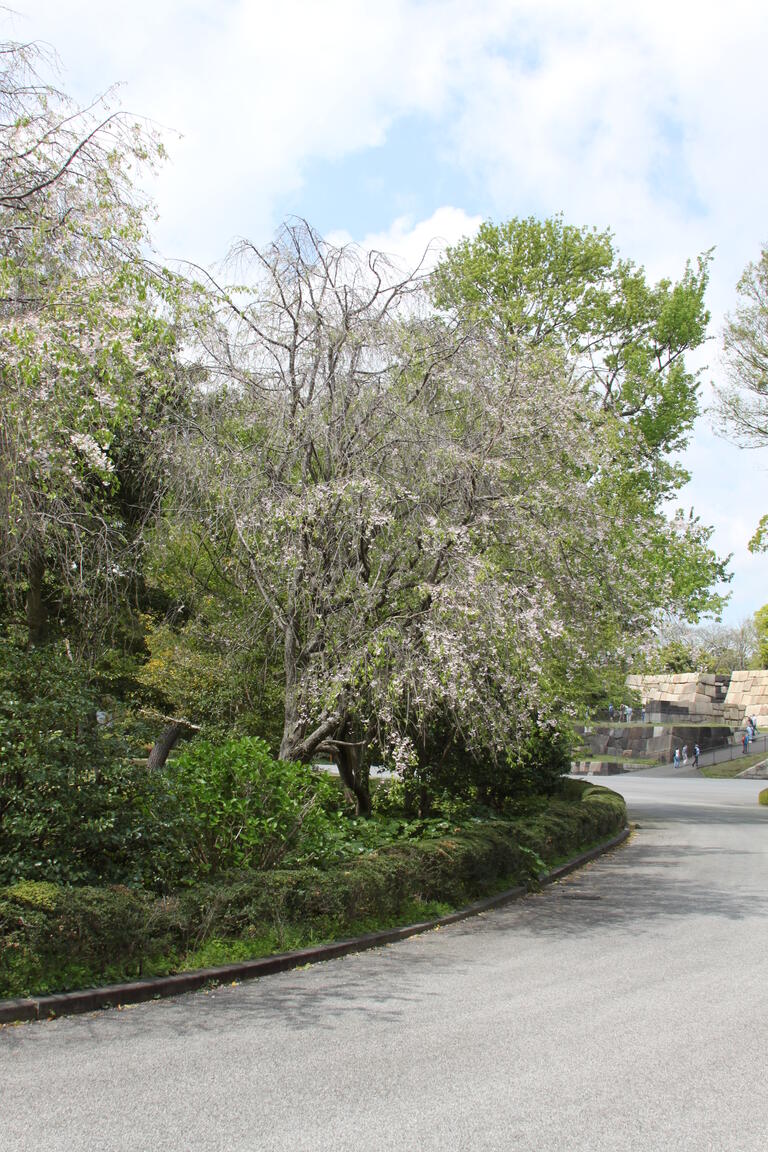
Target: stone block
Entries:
(607, 768)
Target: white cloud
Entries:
(257, 89)
(417, 244)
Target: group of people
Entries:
(625, 713)
(681, 756)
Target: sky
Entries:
(405, 123)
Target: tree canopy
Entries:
(743, 401)
(85, 348)
(359, 512)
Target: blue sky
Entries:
(396, 124)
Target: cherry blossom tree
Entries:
(420, 516)
(742, 400)
(86, 358)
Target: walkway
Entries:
(622, 1008)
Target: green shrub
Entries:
(449, 775)
(763, 797)
(72, 808)
(57, 937)
(243, 809)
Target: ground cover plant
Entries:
(59, 937)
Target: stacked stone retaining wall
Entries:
(703, 694)
(651, 741)
(700, 694)
(748, 696)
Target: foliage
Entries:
(674, 657)
(762, 797)
(72, 809)
(761, 627)
(57, 937)
(242, 809)
(451, 780)
(461, 577)
(533, 766)
(545, 285)
(743, 401)
(718, 648)
(87, 356)
(372, 514)
(205, 659)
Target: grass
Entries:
(730, 768)
(288, 938)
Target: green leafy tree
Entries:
(424, 512)
(761, 625)
(73, 808)
(562, 291)
(206, 660)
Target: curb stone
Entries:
(137, 991)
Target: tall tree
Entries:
(86, 357)
(546, 285)
(415, 512)
(743, 400)
(761, 627)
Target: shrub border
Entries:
(137, 991)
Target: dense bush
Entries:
(763, 797)
(449, 774)
(243, 809)
(56, 937)
(533, 766)
(72, 808)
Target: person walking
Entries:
(744, 743)
(685, 754)
(676, 759)
(696, 754)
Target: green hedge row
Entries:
(56, 938)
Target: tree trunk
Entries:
(37, 613)
(354, 776)
(168, 738)
(291, 712)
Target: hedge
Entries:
(762, 797)
(58, 938)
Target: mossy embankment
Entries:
(59, 938)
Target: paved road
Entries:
(624, 1008)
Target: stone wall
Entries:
(699, 693)
(643, 741)
(748, 696)
(702, 694)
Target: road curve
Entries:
(624, 1007)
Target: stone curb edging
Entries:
(136, 991)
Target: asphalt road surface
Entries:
(623, 1008)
